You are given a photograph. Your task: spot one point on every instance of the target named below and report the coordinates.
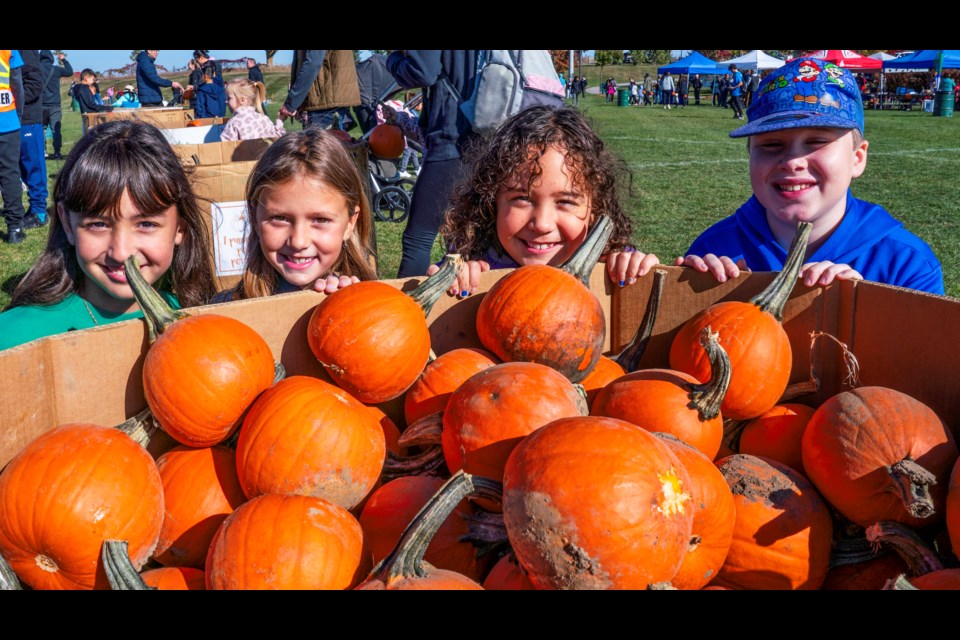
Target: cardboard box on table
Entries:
(904, 340)
(163, 118)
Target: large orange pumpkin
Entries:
(287, 542)
(429, 394)
(386, 141)
(201, 373)
(373, 339)
(309, 437)
(175, 579)
(200, 489)
(596, 503)
(545, 314)
(878, 454)
(507, 575)
(783, 532)
(68, 491)
(777, 434)
(752, 336)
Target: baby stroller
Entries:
(390, 194)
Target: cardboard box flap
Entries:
(213, 153)
(163, 118)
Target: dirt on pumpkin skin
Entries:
(739, 471)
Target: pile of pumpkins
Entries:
(533, 463)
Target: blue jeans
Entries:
(33, 167)
(431, 196)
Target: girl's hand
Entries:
(468, 280)
(824, 273)
(721, 267)
(333, 283)
(626, 266)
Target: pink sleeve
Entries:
(230, 131)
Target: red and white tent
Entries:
(848, 59)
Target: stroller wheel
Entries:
(392, 204)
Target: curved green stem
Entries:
(581, 263)
(433, 287)
(775, 296)
(629, 358)
(156, 312)
(120, 572)
(706, 398)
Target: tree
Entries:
(270, 53)
(604, 57)
(656, 56)
(637, 55)
(561, 61)
(134, 54)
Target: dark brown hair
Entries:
(110, 159)
(470, 225)
(320, 155)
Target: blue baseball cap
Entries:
(806, 92)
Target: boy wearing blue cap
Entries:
(806, 145)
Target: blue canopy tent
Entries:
(926, 59)
(693, 63)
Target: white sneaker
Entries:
(403, 174)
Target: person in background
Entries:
(127, 99)
(211, 97)
(736, 90)
(85, 93)
(249, 121)
(11, 189)
(323, 87)
(647, 90)
(254, 74)
(210, 66)
(696, 83)
(33, 163)
(194, 81)
(667, 89)
(682, 88)
(149, 82)
(52, 101)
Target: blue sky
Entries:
(100, 60)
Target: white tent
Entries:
(754, 60)
(880, 55)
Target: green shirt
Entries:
(23, 324)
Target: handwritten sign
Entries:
(229, 237)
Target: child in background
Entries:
(245, 98)
(309, 223)
(122, 191)
(806, 145)
(85, 93)
(128, 99)
(533, 191)
(210, 99)
(392, 112)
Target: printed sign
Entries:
(229, 236)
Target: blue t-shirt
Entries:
(868, 239)
(9, 120)
(736, 81)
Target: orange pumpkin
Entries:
(606, 371)
(777, 434)
(783, 532)
(752, 336)
(68, 491)
(507, 575)
(387, 141)
(429, 394)
(309, 437)
(878, 454)
(175, 579)
(596, 503)
(287, 542)
(200, 489)
(671, 401)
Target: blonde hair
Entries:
(254, 92)
(320, 155)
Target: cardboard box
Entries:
(213, 153)
(163, 118)
(901, 339)
(194, 134)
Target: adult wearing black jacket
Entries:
(33, 164)
(149, 81)
(446, 134)
(253, 71)
(52, 102)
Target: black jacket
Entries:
(255, 74)
(53, 72)
(87, 104)
(33, 83)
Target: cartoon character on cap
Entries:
(831, 98)
(807, 73)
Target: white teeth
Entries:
(541, 247)
(792, 187)
(299, 260)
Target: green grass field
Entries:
(687, 173)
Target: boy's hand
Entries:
(468, 280)
(721, 267)
(333, 283)
(626, 266)
(824, 273)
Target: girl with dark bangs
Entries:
(533, 191)
(122, 192)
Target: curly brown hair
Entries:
(514, 150)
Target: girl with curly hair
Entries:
(533, 191)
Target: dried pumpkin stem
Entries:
(430, 290)
(486, 528)
(918, 555)
(406, 560)
(847, 551)
(629, 358)
(156, 312)
(706, 398)
(912, 482)
(140, 427)
(120, 571)
(427, 431)
(774, 298)
(581, 263)
(428, 463)
(8, 579)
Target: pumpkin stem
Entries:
(425, 432)
(912, 482)
(279, 372)
(900, 583)
(774, 298)
(433, 287)
(847, 551)
(580, 264)
(406, 559)
(156, 312)
(120, 571)
(732, 430)
(487, 533)
(629, 358)
(140, 427)
(706, 398)
(427, 463)
(918, 555)
(8, 579)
